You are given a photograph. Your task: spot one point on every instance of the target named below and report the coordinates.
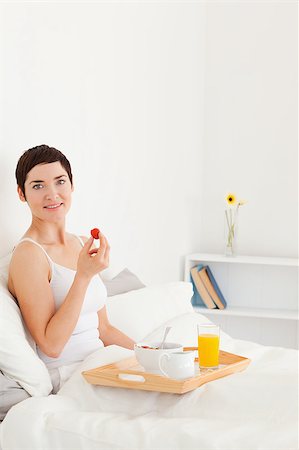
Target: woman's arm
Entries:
(111, 335)
(49, 328)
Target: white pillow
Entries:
(125, 281)
(4, 265)
(18, 360)
(138, 313)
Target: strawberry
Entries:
(95, 233)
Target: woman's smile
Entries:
(53, 206)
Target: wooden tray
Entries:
(128, 374)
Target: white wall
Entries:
(118, 87)
(250, 123)
(160, 118)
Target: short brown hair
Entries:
(42, 154)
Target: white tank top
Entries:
(85, 337)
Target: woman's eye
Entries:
(61, 181)
(37, 186)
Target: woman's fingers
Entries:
(107, 252)
(87, 245)
(93, 251)
(103, 243)
(104, 250)
(101, 254)
(93, 260)
(102, 247)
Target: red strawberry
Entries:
(95, 233)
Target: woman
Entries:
(53, 273)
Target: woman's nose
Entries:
(51, 193)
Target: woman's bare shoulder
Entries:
(26, 249)
(27, 257)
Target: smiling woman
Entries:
(61, 299)
(48, 187)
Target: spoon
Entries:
(164, 337)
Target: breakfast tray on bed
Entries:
(128, 374)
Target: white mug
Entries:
(178, 365)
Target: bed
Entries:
(252, 410)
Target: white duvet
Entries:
(251, 410)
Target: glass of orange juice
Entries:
(208, 345)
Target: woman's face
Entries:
(48, 191)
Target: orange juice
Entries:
(208, 350)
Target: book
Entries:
(196, 299)
(201, 294)
(212, 287)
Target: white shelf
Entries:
(247, 312)
(261, 294)
(242, 259)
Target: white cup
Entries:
(148, 354)
(178, 365)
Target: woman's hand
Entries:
(91, 261)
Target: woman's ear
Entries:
(21, 195)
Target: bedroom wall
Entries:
(250, 125)
(162, 107)
(118, 87)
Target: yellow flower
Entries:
(231, 199)
(241, 202)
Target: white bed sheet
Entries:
(252, 410)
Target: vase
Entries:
(230, 222)
(229, 250)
